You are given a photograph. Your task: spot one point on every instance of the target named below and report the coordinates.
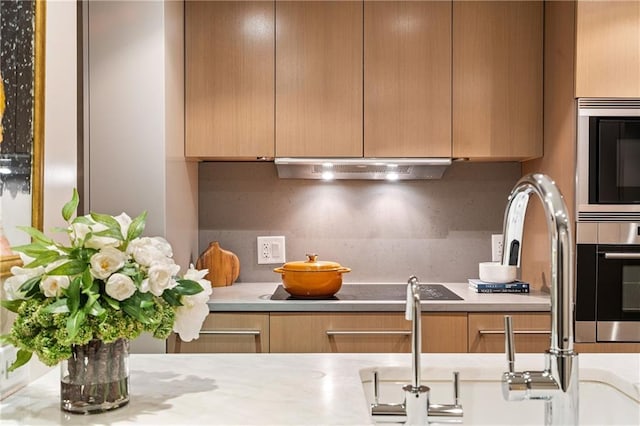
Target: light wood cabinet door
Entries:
(497, 79)
(227, 332)
(364, 332)
(407, 79)
(229, 79)
(608, 49)
(532, 332)
(318, 79)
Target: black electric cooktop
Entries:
(378, 292)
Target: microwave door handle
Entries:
(622, 255)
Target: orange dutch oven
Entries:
(312, 278)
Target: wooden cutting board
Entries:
(223, 265)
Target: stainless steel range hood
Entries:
(362, 168)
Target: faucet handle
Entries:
(509, 343)
(448, 410)
(456, 388)
(376, 388)
(412, 294)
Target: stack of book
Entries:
(485, 287)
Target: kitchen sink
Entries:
(602, 402)
(379, 292)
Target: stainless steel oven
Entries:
(608, 160)
(608, 282)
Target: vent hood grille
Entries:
(362, 168)
(611, 103)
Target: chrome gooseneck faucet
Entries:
(557, 384)
(416, 408)
(416, 396)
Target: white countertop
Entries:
(249, 297)
(282, 389)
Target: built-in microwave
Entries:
(607, 306)
(608, 160)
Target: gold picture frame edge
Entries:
(37, 178)
(7, 263)
(37, 204)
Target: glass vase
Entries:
(95, 378)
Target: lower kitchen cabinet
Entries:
(532, 331)
(225, 333)
(365, 332)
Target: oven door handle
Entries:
(622, 255)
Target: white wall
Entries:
(60, 135)
(135, 123)
(181, 202)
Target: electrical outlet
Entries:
(496, 247)
(271, 250)
(11, 381)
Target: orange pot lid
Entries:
(312, 264)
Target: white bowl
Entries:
(496, 272)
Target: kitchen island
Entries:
(282, 389)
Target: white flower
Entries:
(81, 230)
(161, 277)
(149, 250)
(124, 220)
(52, 285)
(20, 276)
(25, 259)
(192, 313)
(197, 275)
(106, 262)
(120, 286)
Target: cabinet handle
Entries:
(254, 333)
(622, 255)
(232, 332)
(482, 332)
(370, 332)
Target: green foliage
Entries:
(70, 268)
(44, 259)
(34, 250)
(36, 235)
(70, 207)
(30, 287)
(113, 227)
(137, 226)
(187, 287)
(22, 358)
(12, 305)
(41, 329)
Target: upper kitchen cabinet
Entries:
(407, 79)
(229, 78)
(497, 80)
(318, 79)
(608, 49)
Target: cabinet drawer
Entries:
(364, 332)
(227, 332)
(531, 331)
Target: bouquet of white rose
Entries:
(108, 284)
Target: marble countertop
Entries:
(282, 389)
(247, 297)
